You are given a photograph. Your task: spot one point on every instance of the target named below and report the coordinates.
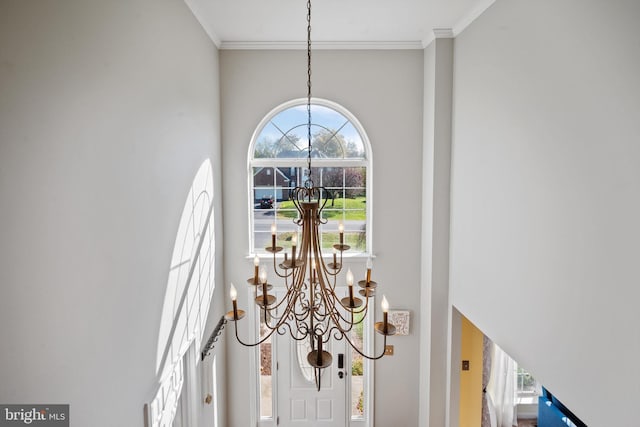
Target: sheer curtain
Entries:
(487, 350)
(501, 389)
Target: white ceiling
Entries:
(237, 24)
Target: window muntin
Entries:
(333, 135)
(340, 162)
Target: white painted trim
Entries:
(471, 16)
(299, 162)
(205, 24)
(321, 45)
(443, 33)
(254, 362)
(438, 33)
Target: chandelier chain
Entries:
(309, 87)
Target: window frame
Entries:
(366, 163)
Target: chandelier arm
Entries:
(337, 333)
(353, 346)
(292, 296)
(275, 270)
(302, 329)
(272, 316)
(283, 300)
(326, 269)
(273, 309)
(329, 302)
(328, 293)
(282, 321)
(266, 337)
(338, 270)
(289, 310)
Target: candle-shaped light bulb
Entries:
(384, 304)
(256, 261)
(335, 261)
(263, 275)
(273, 236)
(369, 266)
(341, 231)
(294, 240)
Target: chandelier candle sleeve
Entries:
(273, 236)
(256, 266)
(319, 355)
(335, 263)
(369, 266)
(294, 243)
(313, 271)
(263, 280)
(385, 313)
(233, 293)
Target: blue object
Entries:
(552, 413)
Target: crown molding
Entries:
(471, 16)
(443, 33)
(460, 26)
(320, 45)
(204, 23)
(437, 33)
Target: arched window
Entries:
(341, 162)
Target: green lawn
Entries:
(354, 239)
(355, 209)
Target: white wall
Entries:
(107, 109)
(383, 89)
(545, 188)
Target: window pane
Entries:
(286, 135)
(357, 371)
(266, 187)
(266, 402)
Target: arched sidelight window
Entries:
(341, 162)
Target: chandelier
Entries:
(311, 309)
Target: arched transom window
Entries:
(341, 162)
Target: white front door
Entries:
(299, 401)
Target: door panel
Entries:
(299, 402)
